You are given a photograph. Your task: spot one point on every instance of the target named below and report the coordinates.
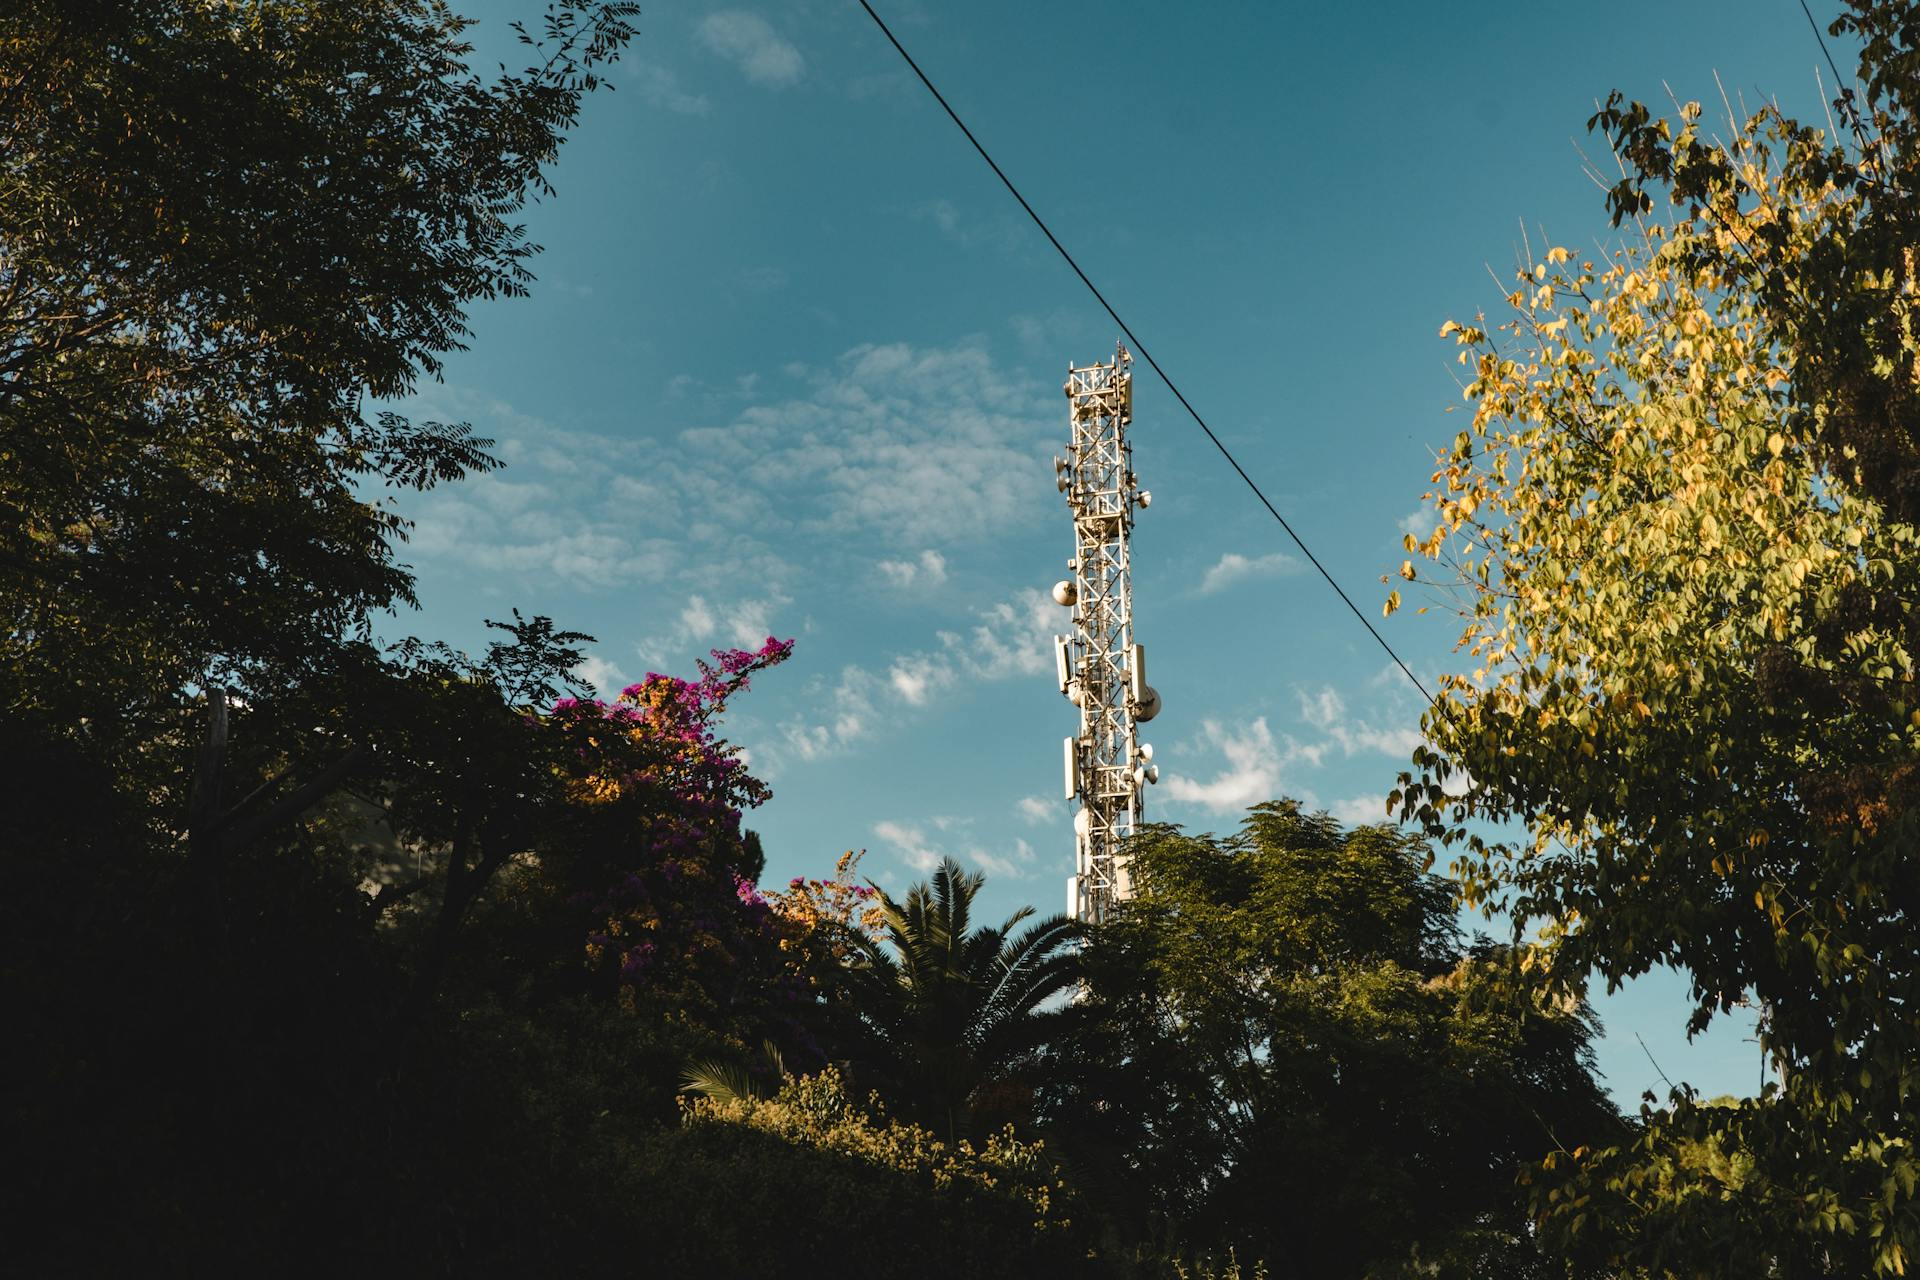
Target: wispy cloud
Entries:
(911, 845)
(724, 521)
(1326, 711)
(1013, 865)
(995, 229)
(749, 42)
(1420, 522)
(760, 279)
(845, 716)
(929, 570)
(1037, 809)
(924, 446)
(502, 525)
(1358, 811)
(703, 624)
(916, 677)
(1011, 639)
(660, 87)
(606, 678)
(1234, 567)
(1259, 763)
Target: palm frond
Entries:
(945, 1006)
(729, 1080)
(719, 1080)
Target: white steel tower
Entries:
(1101, 669)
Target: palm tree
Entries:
(942, 1009)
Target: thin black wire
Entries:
(1847, 107)
(1146, 355)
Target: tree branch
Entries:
(292, 806)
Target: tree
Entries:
(223, 228)
(1679, 533)
(1285, 1047)
(227, 232)
(945, 1012)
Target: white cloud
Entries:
(727, 513)
(989, 227)
(916, 677)
(745, 623)
(749, 622)
(1011, 639)
(1234, 567)
(1251, 776)
(1358, 811)
(1420, 522)
(847, 717)
(1323, 708)
(660, 87)
(911, 845)
(917, 446)
(604, 676)
(496, 525)
(696, 620)
(930, 568)
(750, 43)
(1327, 711)
(1013, 866)
(1037, 809)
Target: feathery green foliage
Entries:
(944, 1011)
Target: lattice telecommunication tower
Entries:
(1101, 669)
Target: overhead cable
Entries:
(1141, 348)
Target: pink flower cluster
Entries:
(658, 744)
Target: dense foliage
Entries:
(222, 229)
(994, 1209)
(1679, 529)
(1286, 1047)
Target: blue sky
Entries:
(793, 367)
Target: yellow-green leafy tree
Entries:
(1679, 530)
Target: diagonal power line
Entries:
(1146, 355)
(1849, 111)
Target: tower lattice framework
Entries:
(1101, 667)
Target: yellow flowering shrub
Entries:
(815, 1111)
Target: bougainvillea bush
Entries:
(642, 888)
